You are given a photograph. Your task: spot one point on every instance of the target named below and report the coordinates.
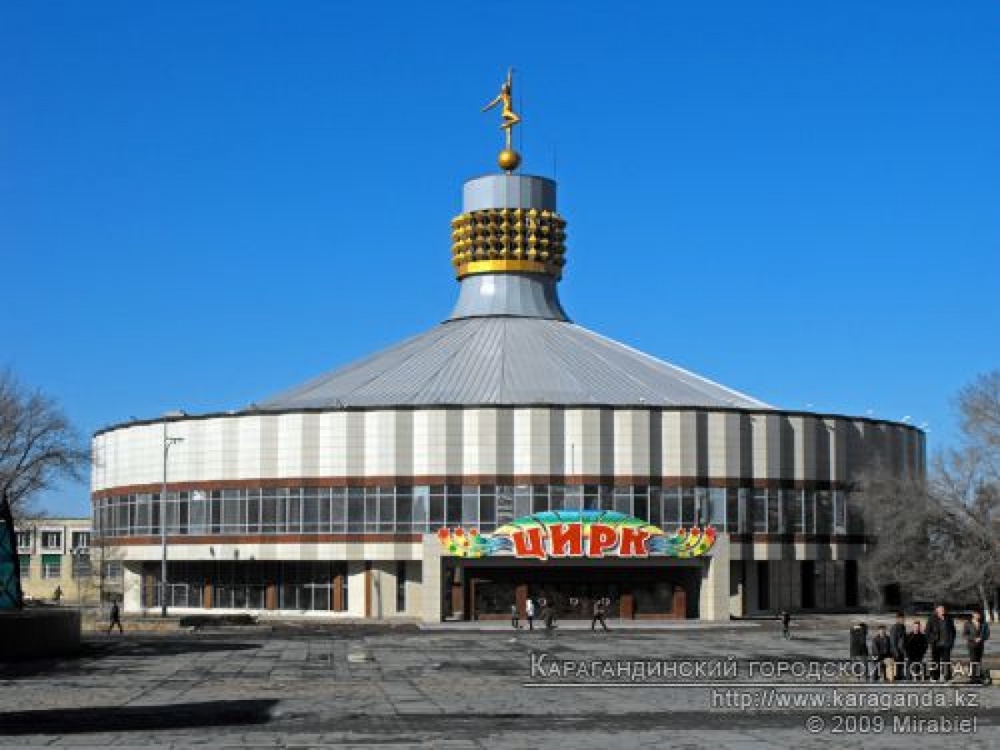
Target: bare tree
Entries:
(899, 515)
(939, 537)
(38, 445)
(979, 406)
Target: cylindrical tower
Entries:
(508, 248)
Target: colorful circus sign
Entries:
(577, 534)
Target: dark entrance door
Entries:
(633, 592)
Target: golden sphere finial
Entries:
(508, 159)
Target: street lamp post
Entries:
(78, 554)
(167, 442)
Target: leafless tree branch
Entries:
(38, 445)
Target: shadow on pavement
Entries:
(92, 651)
(136, 718)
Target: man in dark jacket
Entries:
(859, 646)
(897, 642)
(881, 653)
(116, 618)
(977, 632)
(941, 639)
(916, 649)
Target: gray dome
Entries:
(493, 361)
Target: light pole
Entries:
(78, 554)
(167, 442)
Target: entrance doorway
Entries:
(489, 591)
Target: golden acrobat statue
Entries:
(508, 158)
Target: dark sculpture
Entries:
(11, 596)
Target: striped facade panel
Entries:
(698, 445)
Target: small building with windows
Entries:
(481, 463)
(60, 563)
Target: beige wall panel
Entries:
(540, 441)
(422, 459)
(310, 445)
(354, 444)
(380, 443)
(327, 460)
(624, 448)
(720, 463)
(641, 434)
(290, 445)
(688, 440)
(804, 447)
(759, 433)
(481, 445)
(335, 444)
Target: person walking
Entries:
(600, 613)
(116, 619)
(548, 614)
(529, 612)
(786, 625)
(916, 649)
(859, 646)
(881, 654)
(515, 617)
(941, 639)
(977, 632)
(897, 642)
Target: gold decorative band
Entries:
(498, 240)
(505, 266)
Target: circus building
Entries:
(507, 453)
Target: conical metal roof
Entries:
(493, 361)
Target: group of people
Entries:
(922, 651)
(548, 615)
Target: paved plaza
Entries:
(316, 685)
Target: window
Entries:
(839, 512)
(52, 540)
(688, 507)
(522, 501)
(113, 570)
(371, 509)
(758, 512)
(51, 566)
(25, 564)
(735, 502)
(338, 509)
(81, 540)
(623, 500)
(355, 509)
(470, 506)
(791, 511)
(487, 507)
(405, 511)
(655, 506)
(717, 507)
(539, 498)
(640, 503)
(386, 509)
(453, 508)
(824, 513)
(701, 506)
(671, 507)
(809, 512)
(774, 511)
(437, 505)
(24, 540)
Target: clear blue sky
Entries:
(203, 203)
